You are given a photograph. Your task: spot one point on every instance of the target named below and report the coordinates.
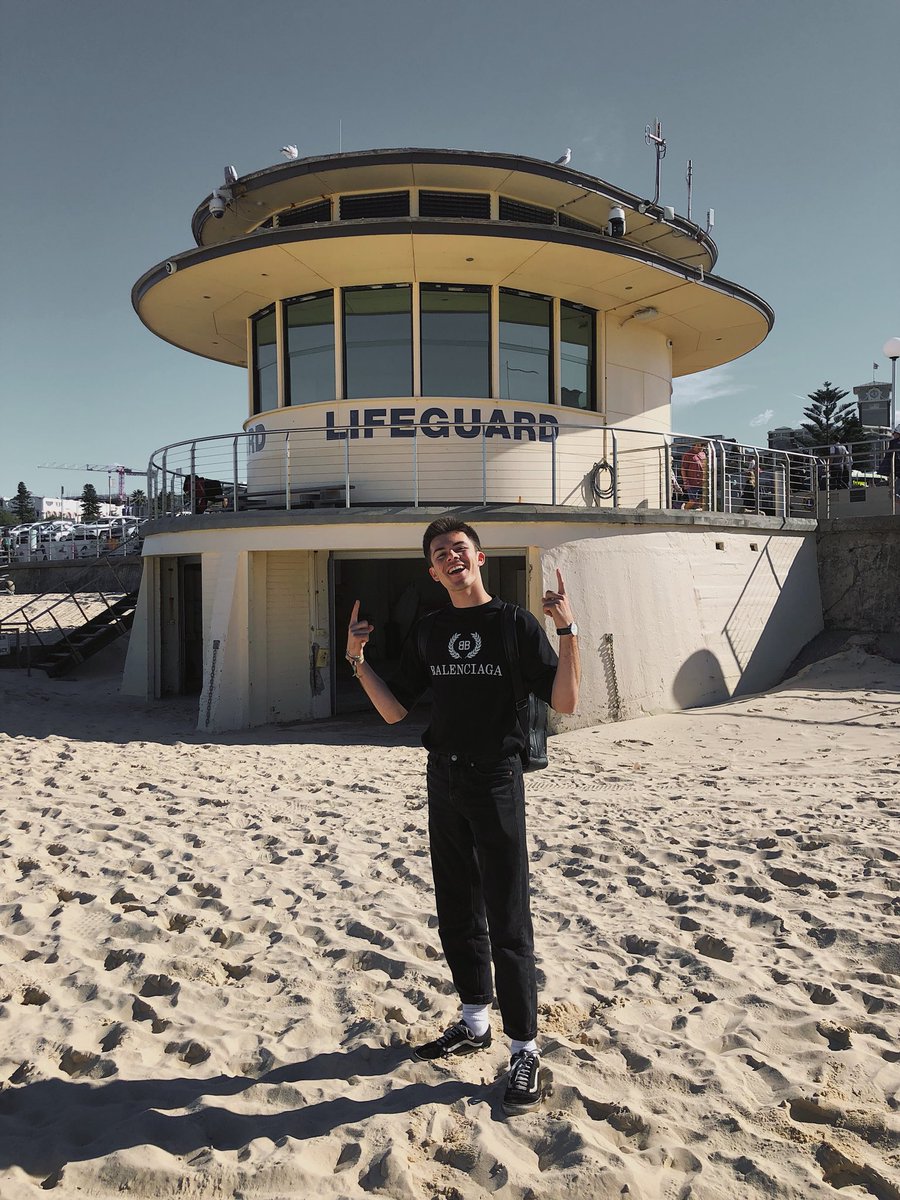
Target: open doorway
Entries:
(393, 593)
(181, 626)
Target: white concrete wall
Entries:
(697, 613)
(138, 676)
(638, 375)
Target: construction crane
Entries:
(108, 471)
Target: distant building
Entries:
(46, 507)
(784, 438)
(874, 400)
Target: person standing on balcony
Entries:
(841, 466)
(693, 473)
(476, 797)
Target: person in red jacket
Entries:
(693, 474)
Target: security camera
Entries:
(171, 267)
(217, 205)
(616, 226)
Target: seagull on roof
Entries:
(231, 176)
(290, 152)
(564, 159)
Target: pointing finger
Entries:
(354, 615)
(560, 586)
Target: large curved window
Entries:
(378, 341)
(525, 372)
(309, 361)
(456, 340)
(576, 355)
(265, 362)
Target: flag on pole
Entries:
(875, 367)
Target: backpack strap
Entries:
(423, 632)
(511, 647)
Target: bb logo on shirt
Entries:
(461, 646)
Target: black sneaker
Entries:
(527, 1084)
(458, 1039)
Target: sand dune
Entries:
(212, 956)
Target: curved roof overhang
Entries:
(289, 185)
(200, 300)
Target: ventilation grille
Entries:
(567, 222)
(475, 205)
(514, 210)
(378, 204)
(308, 215)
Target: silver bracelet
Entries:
(355, 661)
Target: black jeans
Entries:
(479, 859)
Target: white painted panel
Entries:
(287, 636)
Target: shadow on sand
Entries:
(53, 1122)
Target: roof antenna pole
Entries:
(655, 138)
(689, 177)
(340, 135)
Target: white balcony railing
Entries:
(580, 466)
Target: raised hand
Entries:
(358, 632)
(556, 604)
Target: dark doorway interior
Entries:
(393, 594)
(191, 628)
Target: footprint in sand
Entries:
(836, 1036)
(819, 994)
(191, 1052)
(35, 996)
(117, 958)
(713, 947)
(142, 1011)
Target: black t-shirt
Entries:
(474, 710)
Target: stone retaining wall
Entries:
(94, 575)
(859, 573)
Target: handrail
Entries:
(553, 465)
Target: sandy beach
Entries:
(213, 955)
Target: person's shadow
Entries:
(52, 1122)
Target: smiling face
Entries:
(456, 563)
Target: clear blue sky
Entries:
(117, 117)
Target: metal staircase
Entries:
(83, 642)
(30, 639)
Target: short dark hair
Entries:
(442, 525)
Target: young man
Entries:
(476, 798)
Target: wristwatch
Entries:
(567, 630)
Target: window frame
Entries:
(255, 391)
(476, 288)
(412, 289)
(327, 293)
(552, 349)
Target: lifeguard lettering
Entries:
(437, 422)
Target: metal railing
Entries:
(540, 462)
(856, 473)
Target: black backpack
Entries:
(531, 712)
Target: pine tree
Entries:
(828, 420)
(90, 503)
(22, 504)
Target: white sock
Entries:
(515, 1046)
(476, 1017)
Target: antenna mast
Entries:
(689, 177)
(654, 137)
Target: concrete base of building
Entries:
(676, 609)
